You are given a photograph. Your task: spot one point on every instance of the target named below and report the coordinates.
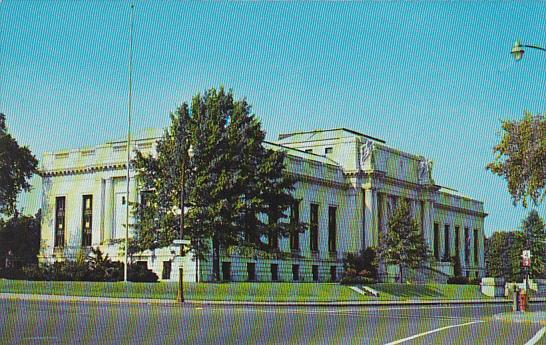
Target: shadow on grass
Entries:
(409, 291)
(431, 291)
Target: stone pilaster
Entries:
(108, 206)
(371, 233)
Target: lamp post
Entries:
(125, 268)
(180, 294)
(517, 49)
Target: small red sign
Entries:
(526, 262)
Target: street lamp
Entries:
(517, 49)
(180, 295)
(128, 180)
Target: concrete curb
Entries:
(73, 299)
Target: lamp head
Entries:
(517, 50)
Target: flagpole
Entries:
(125, 268)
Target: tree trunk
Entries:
(216, 259)
(401, 274)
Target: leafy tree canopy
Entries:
(236, 193)
(17, 164)
(20, 239)
(403, 244)
(504, 250)
(520, 158)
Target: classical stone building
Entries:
(348, 185)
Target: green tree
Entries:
(534, 238)
(503, 255)
(403, 244)
(236, 191)
(17, 165)
(520, 158)
(19, 240)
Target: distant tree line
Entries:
(503, 250)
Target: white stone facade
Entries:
(349, 181)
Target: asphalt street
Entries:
(31, 322)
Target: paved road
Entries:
(30, 322)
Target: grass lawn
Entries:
(430, 291)
(256, 292)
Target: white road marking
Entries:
(432, 331)
(537, 337)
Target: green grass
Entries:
(430, 291)
(258, 292)
(243, 291)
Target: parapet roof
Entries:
(323, 134)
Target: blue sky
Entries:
(429, 78)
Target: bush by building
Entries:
(92, 267)
(461, 280)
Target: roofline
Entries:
(287, 135)
(298, 150)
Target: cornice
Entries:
(460, 210)
(317, 180)
(82, 170)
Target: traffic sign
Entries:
(526, 258)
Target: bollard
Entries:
(180, 295)
(515, 304)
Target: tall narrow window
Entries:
(315, 272)
(274, 272)
(332, 229)
(251, 270)
(447, 251)
(59, 220)
(466, 245)
(167, 267)
(476, 245)
(294, 219)
(273, 240)
(436, 241)
(87, 220)
(295, 272)
(144, 201)
(314, 228)
(457, 240)
(226, 271)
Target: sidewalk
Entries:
(73, 299)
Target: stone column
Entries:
(108, 210)
(461, 246)
(471, 261)
(98, 212)
(371, 233)
(413, 208)
(358, 223)
(383, 207)
(481, 253)
(428, 214)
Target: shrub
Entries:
(458, 280)
(354, 277)
(138, 273)
(92, 267)
(364, 263)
